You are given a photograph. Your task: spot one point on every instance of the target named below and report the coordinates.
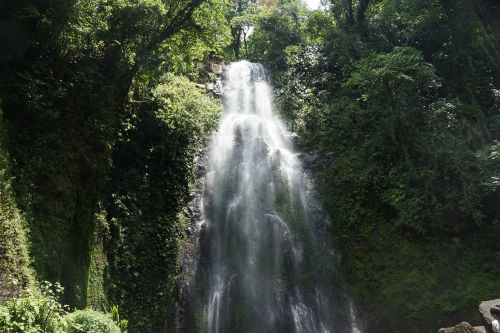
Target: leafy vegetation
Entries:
(404, 95)
(40, 311)
(81, 80)
(90, 321)
(104, 109)
(34, 311)
(153, 163)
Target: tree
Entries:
(240, 18)
(65, 94)
(353, 15)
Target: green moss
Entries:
(96, 295)
(15, 273)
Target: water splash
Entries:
(267, 271)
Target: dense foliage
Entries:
(404, 94)
(35, 311)
(90, 321)
(104, 108)
(148, 190)
(40, 311)
(101, 124)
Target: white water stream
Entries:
(267, 270)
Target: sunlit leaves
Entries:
(403, 69)
(184, 107)
(208, 37)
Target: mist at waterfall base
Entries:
(264, 265)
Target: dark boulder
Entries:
(315, 160)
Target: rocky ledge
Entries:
(486, 319)
(316, 160)
(462, 328)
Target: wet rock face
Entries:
(214, 84)
(215, 87)
(179, 314)
(8, 288)
(460, 328)
(316, 160)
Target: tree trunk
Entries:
(361, 13)
(349, 12)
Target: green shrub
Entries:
(122, 323)
(39, 311)
(90, 321)
(34, 311)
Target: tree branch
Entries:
(181, 20)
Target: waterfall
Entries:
(265, 267)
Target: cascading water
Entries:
(265, 268)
